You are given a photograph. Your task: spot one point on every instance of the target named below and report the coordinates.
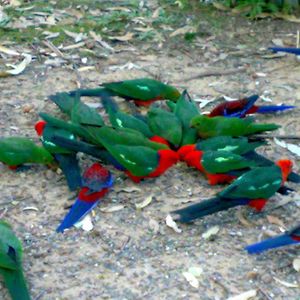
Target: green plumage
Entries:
(119, 119)
(11, 263)
(16, 151)
(185, 110)
(166, 125)
(144, 89)
(215, 162)
(64, 101)
(239, 145)
(259, 183)
(216, 126)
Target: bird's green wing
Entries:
(256, 184)
(185, 110)
(166, 125)
(223, 161)
(64, 101)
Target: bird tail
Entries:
(69, 165)
(78, 211)
(264, 127)
(16, 284)
(97, 92)
(64, 101)
(287, 50)
(108, 103)
(204, 208)
(273, 108)
(278, 241)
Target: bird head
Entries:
(39, 127)
(194, 159)
(286, 168)
(186, 149)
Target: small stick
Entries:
(215, 73)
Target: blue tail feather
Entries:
(273, 108)
(278, 241)
(287, 50)
(75, 214)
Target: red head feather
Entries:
(193, 159)
(186, 149)
(39, 127)
(286, 168)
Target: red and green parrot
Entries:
(216, 126)
(66, 159)
(16, 151)
(143, 91)
(165, 124)
(119, 119)
(289, 237)
(96, 182)
(253, 188)
(186, 109)
(11, 263)
(241, 108)
(140, 157)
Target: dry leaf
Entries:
(17, 69)
(285, 283)
(244, 296)
(129, 189)
(242, 219)
(30, 208)
(14, 3)
(86, 68)
(220, 6)
(144, 203)
(118, 8)
(8, 51)
(128, 66)
(296, 264)
(275, 220)
(278, 42)
(192, 280)
(124, 38)
(211, 232)
(196, 271)
(99, 40)
(110, 209)
(74, 46)
(290, 18)
(291, 147)
(172, 224)
(85, 224)
(155, 14)
(183, 30)
(78, 37)
(154, 225)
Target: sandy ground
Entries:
(131, 254)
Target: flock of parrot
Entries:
(145, 143)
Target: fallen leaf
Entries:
(78, 37)
(124, 38)
(278, 42)
(285, 283)
(85, 224)
(144, 203)
(296, 264)
(129, 189)
(30, 208)
(291, 147)
(211, 232)
(86, 68)
(172, 224)
(244, 296)
(220, 6)
(275, 220)
(110, 209)
(192, 280)
(99, 40)
(8, 51)
(183, 30)
(128, 66)
(154, 225)
(204, 102)
(242, 219)
(196, 271)
(118, 8)
(74, 46)
(14, 3)
(17, 69)
(156, 13)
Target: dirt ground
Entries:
(130, 253)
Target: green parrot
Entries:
(140, 157)
(16, 151)
(253, 188)
(143, 91)
(64, 101)
(11, 263)
(185, 110)
(66, 159)
(165, 124)
(216, 126)
(238, 145)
